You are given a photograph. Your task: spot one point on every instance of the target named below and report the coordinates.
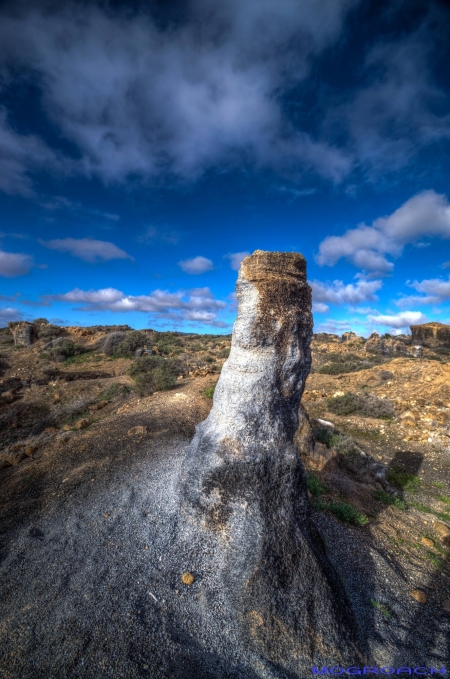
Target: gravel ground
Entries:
(91, 583)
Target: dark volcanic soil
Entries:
(90, 587)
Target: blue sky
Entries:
(145, 149)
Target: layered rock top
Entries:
(431, 334)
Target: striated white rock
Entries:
(244, 483)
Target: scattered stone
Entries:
(419, 596)
(139, 430)
(66, 427)
(99, 406)
(187, 578)
(427, 542)
(124, 408)
(29, 450)
(82, 424)
(441, 529)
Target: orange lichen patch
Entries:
(187, 578)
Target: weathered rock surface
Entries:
(243, 489)
(431, 334)
(385, 346)
(24, 333)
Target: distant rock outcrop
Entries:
(24, 333)
(389, 346)
(431, 334)
(277, 600)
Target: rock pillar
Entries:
(244, 481)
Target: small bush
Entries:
(401, 479)
(223, 353)
(323, 435)
(383, 609)
(154, 373)
(315, 485)
(209, 392)
(365, 405)
(122, 344)
(346, 363)
(388, 499)
(49, 331)
(343, 511)
(64, 349)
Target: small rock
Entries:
(139, 430)
(187, 578)
(441, 529)
(82, 424)
(123, 408)
(50, 430)
(427, 542)
(29, 450)
(67, 427)
(99, 406)
(419, 596)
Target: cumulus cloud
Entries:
(338, 293)
(400, 321)
(196, 265)
(320, 308)
(87, 249)
(436, 291)
(9, 314)
(197, 305)
(426, 214)
(334, 327)
(14, 264)
(139, 100)
(236, 258)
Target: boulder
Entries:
(431, 334)
(24, 333)
(276, 597)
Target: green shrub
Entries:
(223, 353)
(155, 373)
(50, 331)
(209, 392)
(401, 479)
(346, 363)
(388, 499)
(343, 511)
(64, 349)
(315, 485)
(323, 435)
(366, 405)
(381, 608)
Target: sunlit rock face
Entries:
(431, 334)
(244, 482)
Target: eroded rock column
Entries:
(245, 483)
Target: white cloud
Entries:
(400, 321)
(14, 264)
(236, 259)
(89, 250)
(338, 293)
(320, 308)
(197, 305)
(436, 291)
(426, 214)
(9, 314)
(196, 265)
(138, 100)
(333, 327)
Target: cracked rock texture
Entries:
(431, 334)
(243, 488)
